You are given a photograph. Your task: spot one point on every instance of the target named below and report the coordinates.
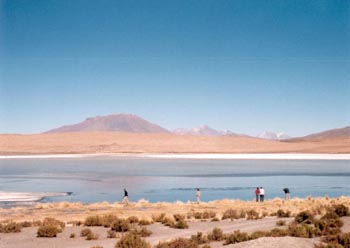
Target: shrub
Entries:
(252, 215)
(91, 236)
(47, 231)
(216, 234)
(132, 240)
(199, 238)
(178, 217)
(328, 227)
(143, 232)
(145, 222)
(282, 214)
(209, 214)
(26, 224)
(133, 219)
(302, 231)
(181, 224)
(230, 214)
(281, 223)
(168, 222)
(158, 217)
(121, 225)
(322, 245)
(215, 219)
(330, 215)
(204, 215)
(107, 220)
(304, 217)
(242, 214)
(111, 234)
(85, 232)
(72, 235)
(53, 222)
(93, 221)
(341, 210)
(96, 220)
(11, 227)
(273, 214)
(333, 223)
(277, 232)
(340, 240)
(329, 224)
(178, 243)
(259, 234)
(236, 237)
(197, 215)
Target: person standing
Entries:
(126, 197)
(257, 194)
(262, 194)
(286, 194)
(198, 195)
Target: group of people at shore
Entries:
(259, 195)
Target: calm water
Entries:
(103, 178)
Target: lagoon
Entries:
(95, 179)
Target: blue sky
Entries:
(247, 66)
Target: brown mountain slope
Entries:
(329, 134)
(115, 142)
(115, 123)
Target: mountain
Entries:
(116, 123)
(203, 131)
(329, 134)
(273, 136)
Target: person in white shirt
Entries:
(198, 196)
(262, 194)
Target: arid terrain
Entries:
(116, 142)
(72, 213)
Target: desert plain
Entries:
(75, 214)
(91, 143)
(136, 143)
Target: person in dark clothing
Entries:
(286, 194)
(125, 198)
(257, 194)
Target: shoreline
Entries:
(268, 156)
(27, 197)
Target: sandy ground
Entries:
(27, 238)
(144, 210)
(346, 227)
(285, 242)
(115, 142)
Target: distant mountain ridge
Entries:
(203, 131)
(134, 124)
(274, 136)
(115, 122)
(328, 134)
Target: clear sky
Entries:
(244, 65)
